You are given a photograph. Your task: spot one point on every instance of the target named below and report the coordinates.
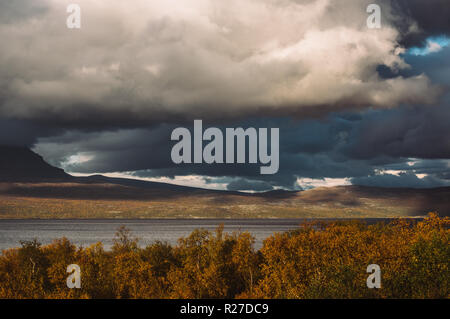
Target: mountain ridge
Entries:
(49, 192)
(22, 164)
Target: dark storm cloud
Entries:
(241, 184)
(435, 65)
(431, 18)
(415, 173)
(403, 180)
(110, 151)
(420, 166)
(24, 133)
(445, 175)
(407, 132)
(224, 174)
(334, 148)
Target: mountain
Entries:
(31, 188)
(22, 164)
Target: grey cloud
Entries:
(110, 151)
(214, 61)
(241, 184)
(340, 146)
(24, 133)
(435, 65)
(407, 132)
(430, 18)
(403, 180)
(15, 11)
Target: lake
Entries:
(86, 232)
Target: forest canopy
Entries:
(317, 260)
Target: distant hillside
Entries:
(22, 164)
(108, 200)
(31, 188)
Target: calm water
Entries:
(87, 232)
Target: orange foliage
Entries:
(318, 260)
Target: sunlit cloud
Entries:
(434, 44)
(308, 183)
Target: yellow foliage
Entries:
(318, 260)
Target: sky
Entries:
(354, 105)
